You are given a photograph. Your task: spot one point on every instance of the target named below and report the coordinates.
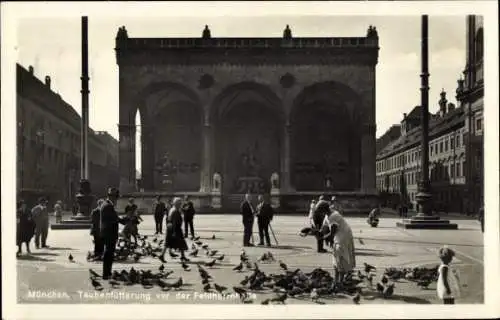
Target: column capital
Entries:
(126, 128)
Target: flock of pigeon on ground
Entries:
(315, 285)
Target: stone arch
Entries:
(171, 118)
(248, 118)
(232, 94)
(325, 121)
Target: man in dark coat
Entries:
(247, 213)
(265, 213)
(188, 212)
(95, 230)
(159, 211)
(109, 230)
(40, 215)
(320, 212)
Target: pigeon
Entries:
(114, 283)
(424, 283)
(243, 256)
(264, 257)
(356, 298)
(361, 241)
(193, 247)
(196, 238)
(241, 292)
(283, 265)
(244, 282)
(384, 280)
(211, 263)
(219, 289)
(280, 298)
(213, 253)
(70, 258)
(173, 255)
(205, 281)
(314, 295)
(162, 284)
(205, 246)
(213, 237)
(194, 253)
(97, 285)
(238, 267)
(161, 268)
(380, 287)
(177, 284)
(360, 275)
(266, 301)
(198, 242)
(94, 274)
(185, 266)
(220, 258)
(368, 267)
(207, 287)
(388, 291)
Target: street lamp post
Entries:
(424, 218)
(84, 197)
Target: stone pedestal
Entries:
(82, 220)
(426, 221)
(216, 193)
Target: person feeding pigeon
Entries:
(343, 244)
(132, 221)
(321, 211)
(448, 284)
(174, 238)
(373, 217)
(109, 230)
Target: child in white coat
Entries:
(448, 285)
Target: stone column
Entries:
(285, 176)
(127, 157)
(147, 142)
(368, 156)
(206, 158)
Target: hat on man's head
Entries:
(113, 192)
(41, 199)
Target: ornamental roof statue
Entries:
(206, 33)
(287, 33)
(372, 32)
(122, 33)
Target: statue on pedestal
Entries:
(275, 181)
(216, 182)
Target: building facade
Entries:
(247, 112)
(48, 145)
(455, 147)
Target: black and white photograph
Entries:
(250, 157)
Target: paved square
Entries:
(48, 277)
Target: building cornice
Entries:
(247, 51)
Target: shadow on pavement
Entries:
(34, 258)
(44, 254)
(373, 254)
(284, 247)
(60, 248)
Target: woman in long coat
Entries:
(344, 258)
(174, 238)
(25, 227)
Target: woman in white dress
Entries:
(344, 259)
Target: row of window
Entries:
(441, 145)
(437, 173)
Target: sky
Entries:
(53, 47)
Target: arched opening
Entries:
(171, 139)
(249, 121)
(325, 139)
